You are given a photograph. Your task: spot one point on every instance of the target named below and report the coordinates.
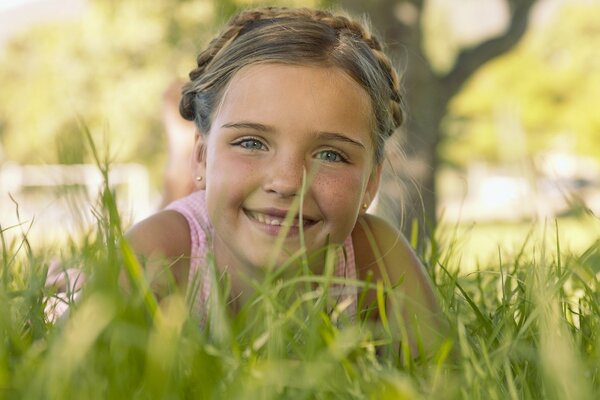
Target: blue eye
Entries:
(251, 144)
(330, 156)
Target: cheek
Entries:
(229, 168)
(229, 179)
(340, 194)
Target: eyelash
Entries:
(241, 143)
(339, 155)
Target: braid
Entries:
(343, 24)
(360, 51)
(186, 106)
(236, 25)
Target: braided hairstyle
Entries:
(301, 37)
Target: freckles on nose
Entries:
(284, 176)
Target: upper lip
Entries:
(280, 213)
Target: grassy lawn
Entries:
(525, 324)
(478, 245)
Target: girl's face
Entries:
(274, 122)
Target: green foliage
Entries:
(548, 84)
(110, 68)
(527, 327)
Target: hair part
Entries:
(299, 37)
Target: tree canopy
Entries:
(549, 84)
(107, 71)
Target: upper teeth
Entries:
(270, 220)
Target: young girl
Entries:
(292, 109)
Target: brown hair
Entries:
(295, 36)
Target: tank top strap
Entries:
(346, 268)
(193, 208)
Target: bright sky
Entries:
(16, 15)
(4, 4)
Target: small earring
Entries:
(365, 206)
(199, 178)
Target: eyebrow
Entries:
(249, 125)
(265, 128)
(340, 137)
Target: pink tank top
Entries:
(193, 208)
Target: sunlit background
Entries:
(521, 141)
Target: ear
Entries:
(372, 187)
(199, 161)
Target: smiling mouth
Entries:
(276, 220)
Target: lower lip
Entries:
(276, 230)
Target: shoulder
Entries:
(378, 244)
(382, 252)
(164, 234)
(160, 240)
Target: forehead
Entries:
(299, 96)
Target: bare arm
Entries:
(413, 310)
(162, 243)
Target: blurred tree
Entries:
(429, 90)
(108, 71)
(550, 81)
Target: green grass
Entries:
(479, 243)
(526, 324)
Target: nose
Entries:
(284, 176)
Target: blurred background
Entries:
(502, 98)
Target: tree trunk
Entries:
(407, 195)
